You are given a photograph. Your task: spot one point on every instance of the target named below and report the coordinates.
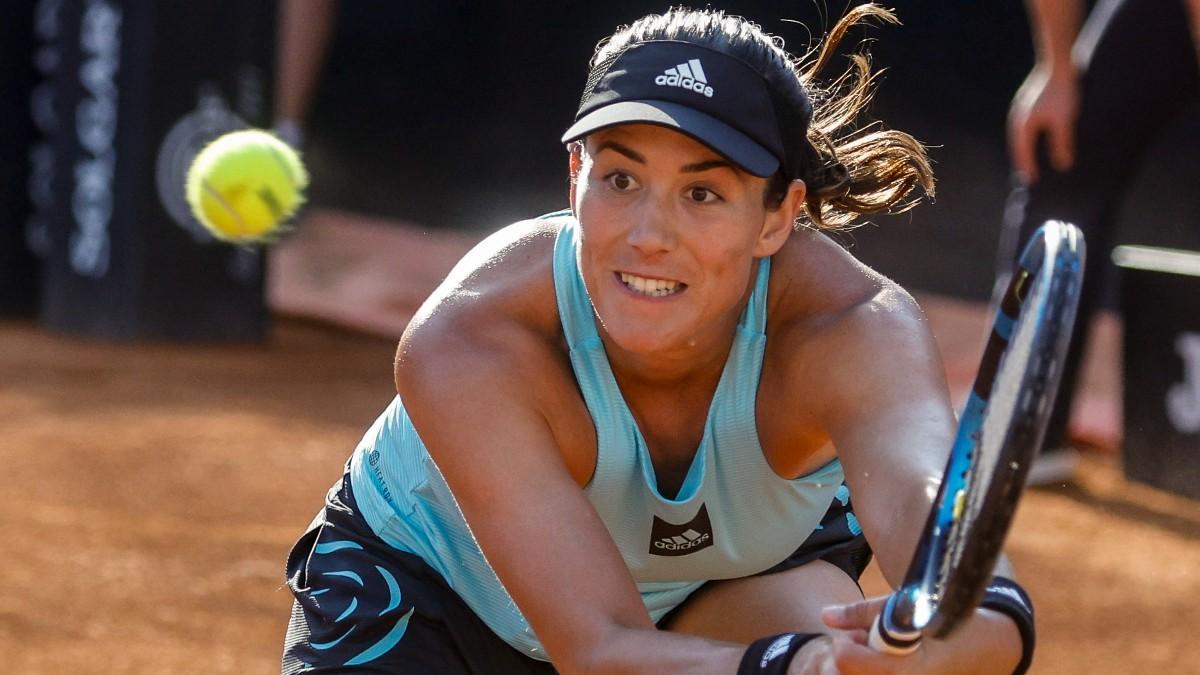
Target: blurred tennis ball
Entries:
(245, 185)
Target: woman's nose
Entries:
(653, 229)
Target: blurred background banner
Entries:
(22, 152)
(1161, 366)
(136, 89)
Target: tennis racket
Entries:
(999, 433)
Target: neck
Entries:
(700, 360)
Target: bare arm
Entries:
(304, 28)
(891, 421)
(1055, 25)
(890, 418)
(1048, 100)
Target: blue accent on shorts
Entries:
(363, 606)
(842, 494)
(345, 573)
(335, 546)
(852, 524)
(393, 591)
(390, 640)
(333, 643)
(349, 610)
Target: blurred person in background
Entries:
(1079, 126)
(304, 32)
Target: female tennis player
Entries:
(626, 435)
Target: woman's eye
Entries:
(702, 195)
(621, 182)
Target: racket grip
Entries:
(889, 639)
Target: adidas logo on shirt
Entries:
(683, 542)
(669, 539)
(688, 75)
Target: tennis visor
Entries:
(708, 95)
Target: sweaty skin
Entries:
(670, 233)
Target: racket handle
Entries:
(889, 639)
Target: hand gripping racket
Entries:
(999, 433)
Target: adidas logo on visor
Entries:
(688, 75)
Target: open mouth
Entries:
(653, 288)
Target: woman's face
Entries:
(670, 232)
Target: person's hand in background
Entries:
(1046, 104)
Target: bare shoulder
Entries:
(838, 330)
(820, 291)
(497, 302)
(489, 341)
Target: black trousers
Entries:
(1139, 71)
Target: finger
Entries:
(856, 615)
(1062, 147)
(1022, 138)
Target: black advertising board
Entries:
(1160, 303)
(140, 87)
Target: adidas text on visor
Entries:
(708, 95)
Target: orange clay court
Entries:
(154, 490)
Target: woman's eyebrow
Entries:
(636, 156)
(706, 165)
(621, 149)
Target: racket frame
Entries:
(955, 556)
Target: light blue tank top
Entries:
(733, 516)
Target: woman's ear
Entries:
(779, 222)
(574, 164)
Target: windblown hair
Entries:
(850, 167)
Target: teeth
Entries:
(656, 288)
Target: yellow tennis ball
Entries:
(245, 185)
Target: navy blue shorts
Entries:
(362, 606)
